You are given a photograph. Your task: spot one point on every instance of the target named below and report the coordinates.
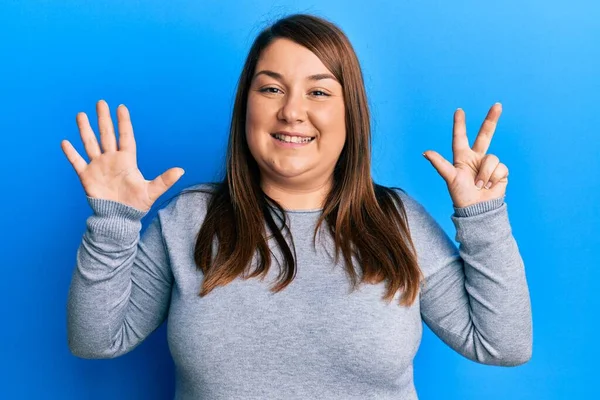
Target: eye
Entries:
(269, 90)
(322, 94)
(274, 90)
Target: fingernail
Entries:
(488, 185)
(424, 155)
(479, 184)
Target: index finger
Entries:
(460, 142)
(126, 139)
(484, 137)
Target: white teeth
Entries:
(293, 139)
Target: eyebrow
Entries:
(279, 77)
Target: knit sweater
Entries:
(316, 339)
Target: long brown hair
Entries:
(367, 221)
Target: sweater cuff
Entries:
(114, 220)
(478, 208)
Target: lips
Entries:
(285, 140)
(292, 139)
(287, 133)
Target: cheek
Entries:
(252, 116)
(331, 122)
(256, 121)
(259, 111)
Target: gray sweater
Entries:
(314, 339)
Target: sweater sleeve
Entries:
(121, 285)
(475, 298)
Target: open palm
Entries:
(112, 172)
(474, 176)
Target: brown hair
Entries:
(366, 220)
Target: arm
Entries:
(120, 289)
(475, 298)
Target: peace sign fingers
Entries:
(460, 142)
(474, 176)
(484, 138)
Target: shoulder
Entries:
(416, 213)
(432, 244)
(188, 206)
(421, 222)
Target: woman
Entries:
(348, 269)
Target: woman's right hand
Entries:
(113, 174)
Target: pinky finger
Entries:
(73, 156)
(500, 174)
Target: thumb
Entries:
(441, 165)
(163, 182)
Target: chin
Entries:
(291, 173)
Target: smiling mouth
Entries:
(292, 139)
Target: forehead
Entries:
(290, 59)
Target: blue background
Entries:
(175, 65)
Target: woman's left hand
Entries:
(474, 176)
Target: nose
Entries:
(292, 109)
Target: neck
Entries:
(294, 197)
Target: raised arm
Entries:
(121, 286)
(475, 297)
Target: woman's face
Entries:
(295, 120)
